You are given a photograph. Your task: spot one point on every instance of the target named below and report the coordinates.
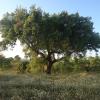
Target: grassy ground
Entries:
(80, 86)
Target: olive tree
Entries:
(51, 36)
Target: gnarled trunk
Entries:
(49, 66)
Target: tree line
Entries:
(36, 65)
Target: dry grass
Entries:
(80, 86)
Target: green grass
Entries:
(80, 86)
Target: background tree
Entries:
(51, 36)
(5, 63)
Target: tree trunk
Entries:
(49, 66)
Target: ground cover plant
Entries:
(74, 86)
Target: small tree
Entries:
(52, 37)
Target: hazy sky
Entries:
(84, 7)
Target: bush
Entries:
(23, 66)
(5, 63)
(91, 64)
(36, 65)
(63, 66)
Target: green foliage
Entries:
(16, 63)
(5, 63)
(94, 64)
(35, 65)
(22, 66)
(63, 67)
(49, 35)
(41, 31)
(90, 64)
(19, 65)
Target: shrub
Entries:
(35, 65)
(23, 66)
(63, 66)
(5, 63)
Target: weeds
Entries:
(65, 87)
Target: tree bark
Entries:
(49, 66)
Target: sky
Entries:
(85, 8)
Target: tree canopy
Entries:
(52, 36)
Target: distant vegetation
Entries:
(36, 65)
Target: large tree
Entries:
(52, 36)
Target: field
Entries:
(79, 86)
